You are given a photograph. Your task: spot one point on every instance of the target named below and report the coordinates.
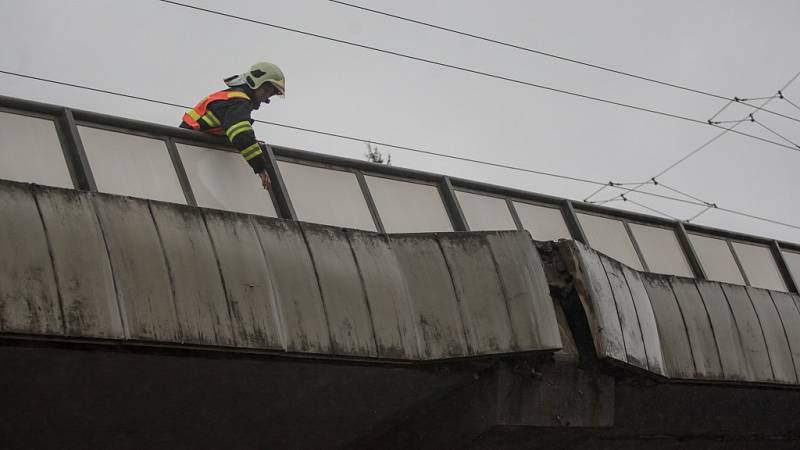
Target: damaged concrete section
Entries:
(121, 269)
(678, 328)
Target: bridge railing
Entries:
(57, 146)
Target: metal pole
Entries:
(373, 210)
(180, 170)
(451, 204)
(691, 254)
(788, 278)
(573, 224)
(280, 196)
(74, 152)
(514, 214)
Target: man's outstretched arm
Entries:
(237, 125)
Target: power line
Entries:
(653, 210)
(776, 133)
(309, 130)
(361, 140)
(783, 97)
(475, 161)
(472, 71)
(730, 129)
(657, 183)
(725, 131)
(551, 55)
(752, 216)
(527, 49)
(705, 210)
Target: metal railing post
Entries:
(74, 153)
(788, 278)
(453, 207)
(690, 253)
(573, 224)
(280, 196)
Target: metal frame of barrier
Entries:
(67, 120)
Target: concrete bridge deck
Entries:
(129, 323)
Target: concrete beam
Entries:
(123, 269)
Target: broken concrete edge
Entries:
(573, 295)
(570, 288)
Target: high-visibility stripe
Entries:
(201, 111)
(213, 118)
(208, 121)
(251, 152)
(239, 131)
(238, 94)
(191, 122)
(249, 157)
(237, 128)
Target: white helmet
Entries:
(264, 72)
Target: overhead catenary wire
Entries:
(776, 133)
(730, 129)
(785, 116)
(467, 70)
(549, 54)
(703, 211)
(351, 138)
(720, 110)
(719, 135)
(576, 179)
(362, 140)
(783, 97)
(653, 210)
(310, 130)
(681, 193)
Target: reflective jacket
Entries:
(229, 112)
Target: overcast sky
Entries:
(731, 48)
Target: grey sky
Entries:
(732, 48)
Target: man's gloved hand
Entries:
(265, 181)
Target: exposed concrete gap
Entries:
(559, 264)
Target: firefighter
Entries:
(228, 111)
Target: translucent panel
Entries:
(485, 213)
(408, 207)
(31, 152)
(661, 250)
(610, 237)
(759, 266)
(131, 165)
(543, 223)
(330, 197)
(716, 258)
(793, 261)
(224, 180)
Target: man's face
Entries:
(265, 91)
